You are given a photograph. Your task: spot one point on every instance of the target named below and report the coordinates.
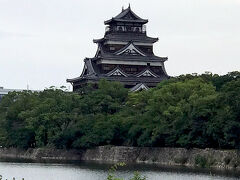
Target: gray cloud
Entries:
(44, 42)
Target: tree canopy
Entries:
(185, 111)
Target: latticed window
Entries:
(131, 69)
(106, 68)
(120, 28)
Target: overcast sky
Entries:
(44, 42)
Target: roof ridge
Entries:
(123, 13)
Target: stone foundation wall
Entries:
(220, 159)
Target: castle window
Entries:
(106, 68)
(137, 29)
(133, 69)
(129, 28)
(112, 48)
(120, 28)
(128, 69)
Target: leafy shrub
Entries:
(113, 169)
(204, 162)
(201, 161)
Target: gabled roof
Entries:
(130, 49)
(93, 73)
(139, 87)
(117, 72)
(127, 15)
(147, 73)
(89, 67)
(102, 54)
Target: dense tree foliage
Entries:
(186, 111)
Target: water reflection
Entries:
(94, 171)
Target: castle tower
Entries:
(124, 54)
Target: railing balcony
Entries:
(126, 29)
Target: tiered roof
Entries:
(126, 37)
(93, 73)
(128, 54)
(138, 54)
(126, 15)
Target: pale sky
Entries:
(44, 42)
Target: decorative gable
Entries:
(98, 53)
(130, 50)
(130, 16)
(147, 73)
(116, 72)
(84, 72)
(139, 87)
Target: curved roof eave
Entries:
(144, 21)
(120, 17)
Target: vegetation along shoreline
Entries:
(180, 116)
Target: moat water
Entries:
(90, 171)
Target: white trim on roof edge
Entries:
(147, 73)
(131, 49)
(141, 87)
(117, 72)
